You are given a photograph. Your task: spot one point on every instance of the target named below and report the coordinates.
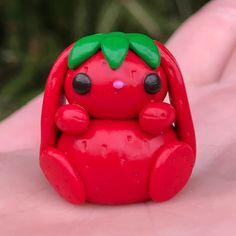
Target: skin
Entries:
(210, 82)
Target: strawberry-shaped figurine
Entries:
(107, 135)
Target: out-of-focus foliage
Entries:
(33, 32)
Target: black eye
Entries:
(152, 83)
(81, 83)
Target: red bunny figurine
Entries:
(107, 136)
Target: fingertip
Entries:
(203, 44)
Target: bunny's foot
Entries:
(62, 176)
(172, 170)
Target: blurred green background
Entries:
(33, 33)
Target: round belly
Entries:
(114, 159)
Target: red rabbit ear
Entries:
(178, 97)
(53, 98)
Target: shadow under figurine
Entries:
(107, 136)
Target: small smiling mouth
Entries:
(118, 84)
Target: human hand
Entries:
(206, 51)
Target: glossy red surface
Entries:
(106, 101)
(72, 119)
(156, 117)
(116, 144)
(114, 159)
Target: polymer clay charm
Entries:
(107, 135)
